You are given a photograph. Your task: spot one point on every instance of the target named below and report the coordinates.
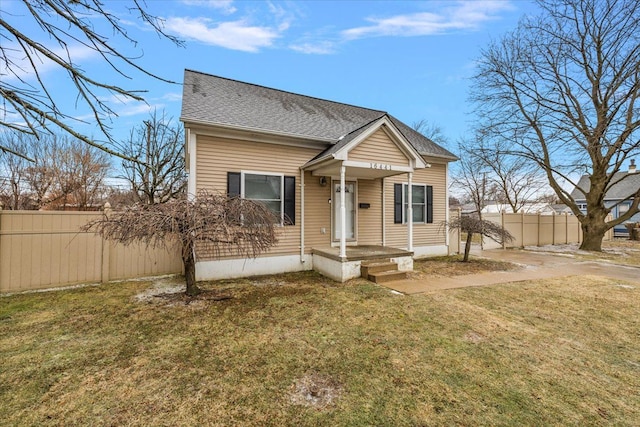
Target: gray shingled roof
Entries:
(619, 191)
(220, 101)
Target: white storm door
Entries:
(349, 200)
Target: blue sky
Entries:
(412, 59)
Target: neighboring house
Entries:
(337, 176)
(527, 207)
(626, 183)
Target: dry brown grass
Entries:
(301, 350)
(449, 266)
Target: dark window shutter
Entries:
(289, 200)
(233, 184)
(397, 203)
(429, 204)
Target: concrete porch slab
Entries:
(327, 261)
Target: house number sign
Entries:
(380, 166)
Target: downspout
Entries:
(410, 212)
(446, 207)
(384, 217)
(302, 260)
(191, 153)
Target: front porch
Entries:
(328, 261)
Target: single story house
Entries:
(618, 197)
(337, 175)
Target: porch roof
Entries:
(330, 161)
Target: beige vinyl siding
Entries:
(423, 234)
(317, 212)
(217, 156)
(379, 148)
(370, 220)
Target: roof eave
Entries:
(316, 139)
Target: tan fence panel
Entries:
(138, 261)
(546, 232)
(486, 242)
(560, 229)
(538, 230)
(512, 222)
(531, 229)
(47, 249)
(454, 234)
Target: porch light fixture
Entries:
(323, 181)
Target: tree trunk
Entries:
(593, 226)
(190, 274)
(592, 238)
(467, 247)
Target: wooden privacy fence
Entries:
(454, 233)
(47, 249)
(536, 230)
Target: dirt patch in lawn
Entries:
(315, 390)
(451, 266)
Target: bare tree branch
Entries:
(66, 24)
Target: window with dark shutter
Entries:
(397, 203)
(429, 204)
(289, 200)
(233, 184)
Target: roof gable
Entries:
(217, 101)
(625, 184)
(351, 142)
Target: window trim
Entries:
(405, 202)
(282, 196)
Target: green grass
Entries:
(558, 352)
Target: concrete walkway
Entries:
(535, 266)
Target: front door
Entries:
(350, 201)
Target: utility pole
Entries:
(147, 183)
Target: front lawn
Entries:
(300, 350)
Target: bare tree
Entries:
(63, 173)
(29, 105)
(469, 176)
(78, 172)
(513, 180)
(12, 171)
(431, 130)
(473, 224)
(158, 142)
(567, 83)
(224, 225)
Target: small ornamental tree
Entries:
(472, 224)
(214, 222)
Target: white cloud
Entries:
(461, 15)
(236, 35)
(319, 48)
(226, 6)
(172, 96)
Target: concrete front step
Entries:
(377, 267)
(387, 276)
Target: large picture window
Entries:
(421, 203)
(275, 191)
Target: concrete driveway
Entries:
(535, 265)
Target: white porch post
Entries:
(410, 212)
(343, 214)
